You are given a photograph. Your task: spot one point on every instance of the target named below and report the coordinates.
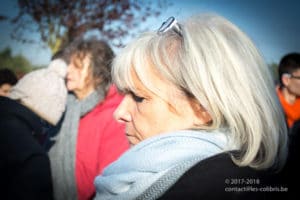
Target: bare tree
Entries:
(61, 21)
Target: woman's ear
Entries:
(202, 117)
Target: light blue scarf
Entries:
(164, 157)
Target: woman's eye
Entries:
(137, 98)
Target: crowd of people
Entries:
(188, 111)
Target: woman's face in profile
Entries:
(79, 76)
(146, 114)
(77, 72)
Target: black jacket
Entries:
(24, 165)
(219, 178)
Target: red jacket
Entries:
(101, 140)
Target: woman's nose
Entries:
(122, 113)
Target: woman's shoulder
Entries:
(218, 177)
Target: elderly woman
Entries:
(201, 115)
(89, 138)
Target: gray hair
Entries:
(218, 65)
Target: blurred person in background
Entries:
(288, 90)
(7, 80)
(37, 99)
(89, 138)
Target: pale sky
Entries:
(273, 25)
